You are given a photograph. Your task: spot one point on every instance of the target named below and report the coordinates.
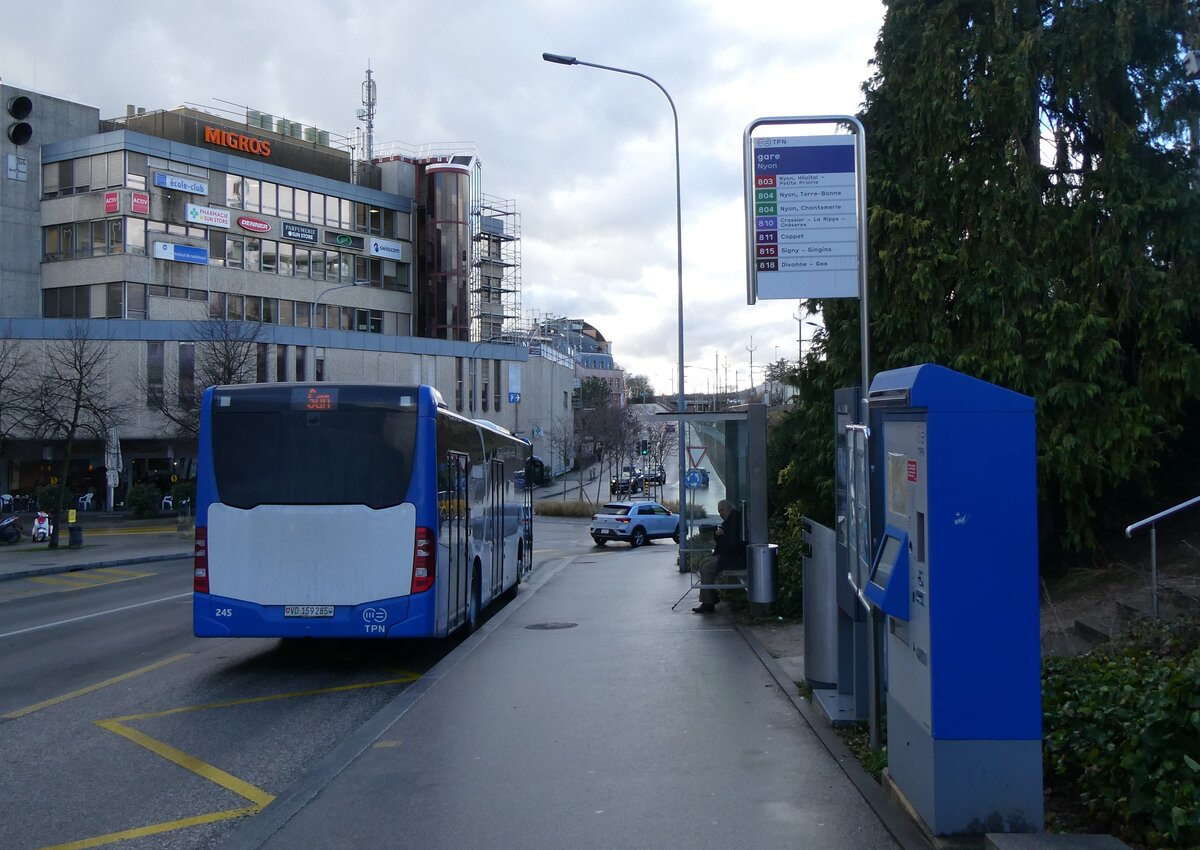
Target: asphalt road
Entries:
(117, 724)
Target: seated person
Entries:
(729, 553)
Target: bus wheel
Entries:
(512, 592)
(473, 601)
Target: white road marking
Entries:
(90, 616)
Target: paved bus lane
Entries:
(118, 725)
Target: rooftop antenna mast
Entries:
(367, 113)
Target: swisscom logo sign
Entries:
(256, 225)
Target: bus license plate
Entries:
(308, 610)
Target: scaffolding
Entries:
(496, 269)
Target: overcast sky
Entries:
(586, 154)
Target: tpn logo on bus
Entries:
(257, 225)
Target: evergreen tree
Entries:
(1032, 223)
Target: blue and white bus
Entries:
(352, 510)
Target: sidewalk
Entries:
(587, 713)
(109, 540)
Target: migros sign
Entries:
(226, 139)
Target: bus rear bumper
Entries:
(215, 616)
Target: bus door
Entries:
(498, 533)
(454, 537)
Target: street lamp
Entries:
(312, 317)
(816, 325)
(571, 60)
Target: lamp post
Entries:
(816, 325)
(312, 318)
(571, 60)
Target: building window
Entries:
(301, 371)
(458, 384)
(187, 373)
(281, 362)
(485, 374)
(135, 300)
(496, 385)
(253, 194)
(319, 364)
(264, 363)
(154, 373)
(216, 305)
(114, 301)
(233, 191)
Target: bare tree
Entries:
(14, 364)
(615, 429)
(226, 353)
(69, 398)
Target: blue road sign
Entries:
(691, 479)
(514, 398)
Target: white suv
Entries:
(634, 523)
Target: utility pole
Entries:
(799, 317)
(716, 378)
(751, 348)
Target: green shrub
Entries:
(183, 491)
(1122, 734)
(788, 533)
(143, 500)
(47, 497)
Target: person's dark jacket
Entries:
(730, 548)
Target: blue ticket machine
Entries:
(956, 574)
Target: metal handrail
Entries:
(1152, 522)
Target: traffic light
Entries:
(645, 448)
(21, 131)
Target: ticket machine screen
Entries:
(886, 562)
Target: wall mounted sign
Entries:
(180, 184)
(299, 232)
(180, 253)
(210, 216)
(257, 225)
(238, 142)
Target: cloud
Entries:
(588, 155)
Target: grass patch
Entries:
(857, 737)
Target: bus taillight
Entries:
(424, 560)
(200, 561)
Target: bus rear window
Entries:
(356, 456)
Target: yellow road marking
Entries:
(88, 578)
(117, 571)
(154, 829)
(106, 532)
(13, 715)
(74, 583)
(408, 677)
(203, 769)
(382, 745)
(259, 798)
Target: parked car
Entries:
(633, 522)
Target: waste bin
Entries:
(762, 575)
(74, 536)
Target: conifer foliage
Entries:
(1034, 222)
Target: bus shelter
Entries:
(725, 457)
